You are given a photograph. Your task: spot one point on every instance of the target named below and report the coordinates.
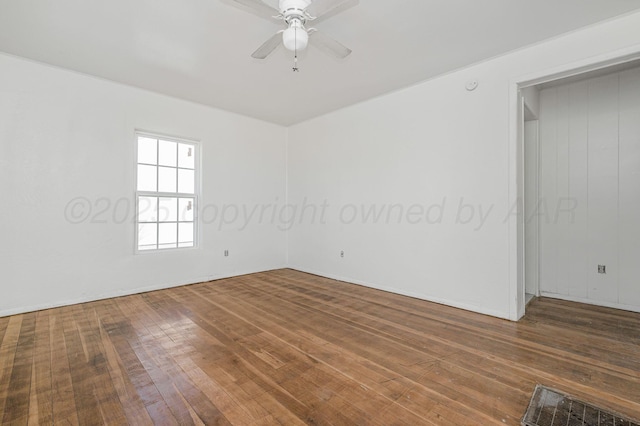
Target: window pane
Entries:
(168, 210)
(147, 179)
(185, 232)
(147, 209)
(186, 183)
(186, 208)
(147, 235)
(167, 179)
(167, 246)
(184, 245)
(168, 153)
(186, 156)
(167, 233)
(147, 150)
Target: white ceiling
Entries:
(199, 50)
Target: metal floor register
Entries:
(549, 407)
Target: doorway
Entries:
(529, 275)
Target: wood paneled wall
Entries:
(590, 190)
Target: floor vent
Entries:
(549, 407)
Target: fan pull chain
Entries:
(295, 52)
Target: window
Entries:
(166, 197)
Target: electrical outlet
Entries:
(342, 253)
(602, 269)
(226, 253)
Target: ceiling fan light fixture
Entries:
(295, 15)
(295, 38)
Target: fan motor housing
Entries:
(291, 9)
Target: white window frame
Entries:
(195, 195)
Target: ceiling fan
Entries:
(296, 14)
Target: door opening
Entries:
(526, 156)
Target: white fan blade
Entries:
(259, 7)
(325, 9)
(268, 46)
(329, 45)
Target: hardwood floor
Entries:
(284, 347)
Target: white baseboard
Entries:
(614, 305)
(429, 298)
(128, 292)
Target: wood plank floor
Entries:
(284, 347)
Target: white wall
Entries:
(590, 158)
(531, 205)
(65, 135)
(421, 145)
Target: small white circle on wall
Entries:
(471, 85)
